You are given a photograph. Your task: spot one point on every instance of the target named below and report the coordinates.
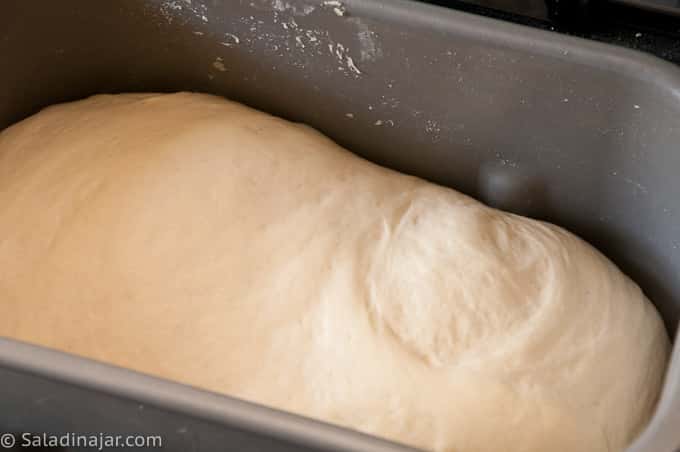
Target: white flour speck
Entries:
(181, 10)
(233, 39)
(339, 51)
(352, 66)
(432, 126)
(219, 65)
(387, 122)
(338, 7)
(349, 115)
(282, 6)
(510, 163)
(342, 54)
(635, 184)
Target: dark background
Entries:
(611, 21)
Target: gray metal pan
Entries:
(575, 132)
(661, 6)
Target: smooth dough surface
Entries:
(193, 238)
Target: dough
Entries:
(193, 238)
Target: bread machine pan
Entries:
(583, 134)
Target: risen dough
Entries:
(193, 238)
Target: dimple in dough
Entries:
(196, 239)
